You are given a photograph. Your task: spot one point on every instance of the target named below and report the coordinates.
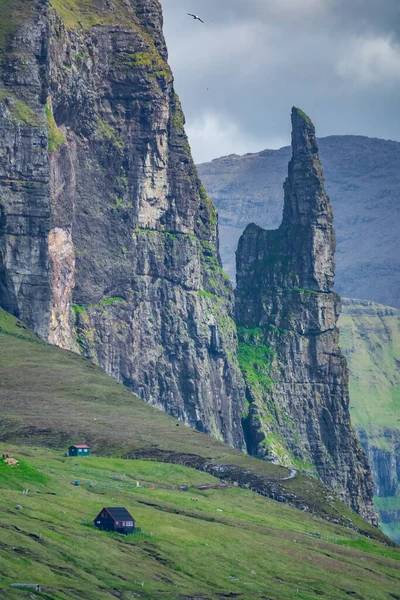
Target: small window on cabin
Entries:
(104, 514)
(85, 450)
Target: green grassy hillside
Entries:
(222, 540)
(208, 542)
(370, 338)
(52, 398)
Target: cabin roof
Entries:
(119, 513)
(79, 446)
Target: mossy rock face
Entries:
(121, 253)
(56, 138)
(14, 13)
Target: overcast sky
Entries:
(239, 74)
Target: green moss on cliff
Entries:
(207, 205)
(18, 108)
(24, 113)
(148, 61)
(84, 14)
(205, 294)
(78, 309)
(82, 309)
(87, 13)
(56, 138)
(106, 132)
(179, 122)
(303, 115)
(255, 358)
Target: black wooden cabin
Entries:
(116, 519)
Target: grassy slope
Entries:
(371, 341)
(53, 398)
(370, 337)
(230, 541)
(49, 397)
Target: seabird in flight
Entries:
(195, 17)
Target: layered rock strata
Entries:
(108, 241)
(287, 311)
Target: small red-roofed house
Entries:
(79, 450)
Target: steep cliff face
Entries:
(108, 241)
(296, 376)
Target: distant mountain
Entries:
(363, 182)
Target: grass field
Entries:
(201, 543)
(370, 337)
(53, 398)
(220, 541)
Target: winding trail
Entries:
(293, 474)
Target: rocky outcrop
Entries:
(108, 241)
(297, 379)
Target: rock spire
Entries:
(287, 311)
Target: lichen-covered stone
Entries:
(108, 241)
(298, 401)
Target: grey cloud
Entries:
(239, 74)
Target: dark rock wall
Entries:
(299, 406)
(24, 170)
(109, 243)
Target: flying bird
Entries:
(195, 17)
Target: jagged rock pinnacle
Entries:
(303, 134)
(307, 210)
(284, 293)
